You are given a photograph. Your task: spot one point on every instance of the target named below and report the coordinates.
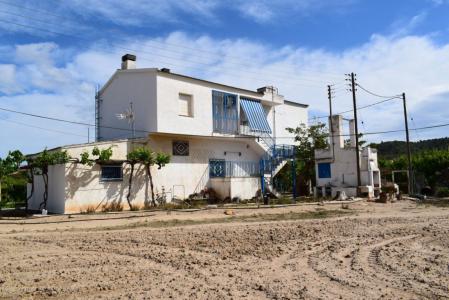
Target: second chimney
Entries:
(128, 62)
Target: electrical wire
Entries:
(222, 70)
(247, 137)
(358, 108)
(280, 74)
(164, 44)
(374, 94)
(42, 128)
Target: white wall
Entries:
(137, 86)
(244, 188)
(288, 115)
(169, 88)
(56, 195)
(76, 187)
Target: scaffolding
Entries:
(97, 113)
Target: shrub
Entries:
(113, 206)
(90, 209)
(442, 192)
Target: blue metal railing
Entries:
(221, 168)
(276, 155)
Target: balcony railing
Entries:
(221, 168)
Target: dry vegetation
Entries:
(368, 251)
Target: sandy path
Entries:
(389, 251)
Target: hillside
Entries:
(393, 149)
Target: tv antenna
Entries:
(129, 116)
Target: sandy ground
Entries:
(377, 251)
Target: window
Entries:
(217, 168)
(111, 173)
(180, 148)
(224, 112)
(185, 105)
(324, 170)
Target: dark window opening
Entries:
(111, 173)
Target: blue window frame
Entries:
(111, 173)
(324, 170)
(217, 168)
(224, 112)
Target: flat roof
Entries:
(296, 103)
(208, 81)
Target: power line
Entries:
(41, 128)
(247, 137)
(222, 70)
(215, 54)
(376, 95)
(360, 107)
(67, 121)
(280, 74)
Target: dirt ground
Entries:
(369, 251)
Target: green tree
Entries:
(9, 165)
(42, 162)
(147, 158)
(347, 142)
(98, 156)
(309, 139)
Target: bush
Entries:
(442, 192)
(113, 206)
(90, 209)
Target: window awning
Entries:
(255, 114)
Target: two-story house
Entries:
(226, 138)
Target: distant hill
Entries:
(394, 149)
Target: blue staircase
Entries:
(271, 161)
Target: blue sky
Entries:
(54, 53)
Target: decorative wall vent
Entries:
(181, 148)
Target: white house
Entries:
(230, 139)
(336, 167)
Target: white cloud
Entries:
(8, 80)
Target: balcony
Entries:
(222, 168)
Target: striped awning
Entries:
(255, 114)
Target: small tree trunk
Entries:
(151, 184)
(0, 191)
(32, 189)
(130, 183)
(45, 178)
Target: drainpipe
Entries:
(274, 116)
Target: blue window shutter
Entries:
(324, 170)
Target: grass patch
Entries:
(291, 216)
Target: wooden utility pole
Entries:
(357, 152)
(409, 153)
(331, 123)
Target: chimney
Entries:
(128, 62)
(337, 132)
(352, 133)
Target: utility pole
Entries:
(409, 153)
(357, 152)
(331, 135)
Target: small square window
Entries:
(180, 148)
(324, 170)
(111, 173)
(185, 107)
